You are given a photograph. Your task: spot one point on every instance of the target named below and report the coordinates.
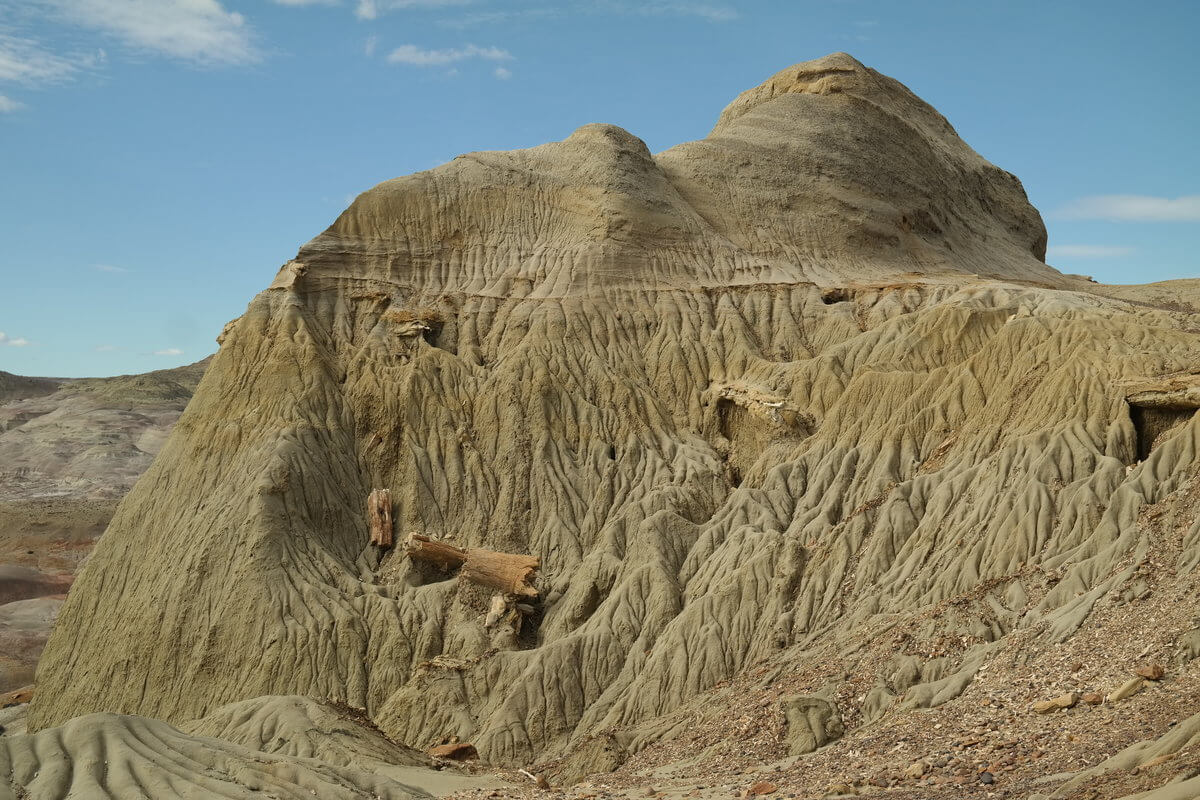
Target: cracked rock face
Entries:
(805, 375)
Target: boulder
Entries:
(812, 722)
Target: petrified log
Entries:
(445, 555)
(379, 514)
(509, 572)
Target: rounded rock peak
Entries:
(836, 73)
(606, 135)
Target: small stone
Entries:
(17, 697)
(1151, 672)
(1092, 698)
(1059, 703)
(650, 792)
(1127, 689)
(916, 770)
(840, 788)
(987, 778)
(762, 787)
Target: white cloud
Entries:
(170, 351)
(1087, 251)
(502, 73)
(416, 56)
(370, 45)
(479, 18)
(26, 61)
(5, 339)
(8, 105)
(110, 268)
(1134, 208)
(201, 31)
(306, 2)
(370, 9)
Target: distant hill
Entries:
(18, 387)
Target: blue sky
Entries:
(161, 158)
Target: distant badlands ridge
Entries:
(69, 451)
(813, 448)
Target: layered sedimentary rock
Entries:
(807, 375)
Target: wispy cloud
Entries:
(371, 9)
(27, 61)
(170, 351)
(110, 268)
(1087, 251)
(369, 45)
(105, 348)
(8, 105)
(306, 2)
(5, 339)
(482, 18)
(502, 73)
(1134, 208)
(418, 57)
(200, 31)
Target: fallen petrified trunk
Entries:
(379, 514)
(511, 573)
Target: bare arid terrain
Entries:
(834, 488)
(69, 451)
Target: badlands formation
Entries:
(69, 451)
(835, 487)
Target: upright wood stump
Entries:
(511, 573)
(379, 515)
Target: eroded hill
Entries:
(797, 408)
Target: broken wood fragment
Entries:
(511, 573)
(496, 610)
(541, 782)
(422, 548)
(379, 515)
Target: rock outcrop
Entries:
(803, 381)
(282, 747)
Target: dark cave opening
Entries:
(836, 294)
(1155, 424)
